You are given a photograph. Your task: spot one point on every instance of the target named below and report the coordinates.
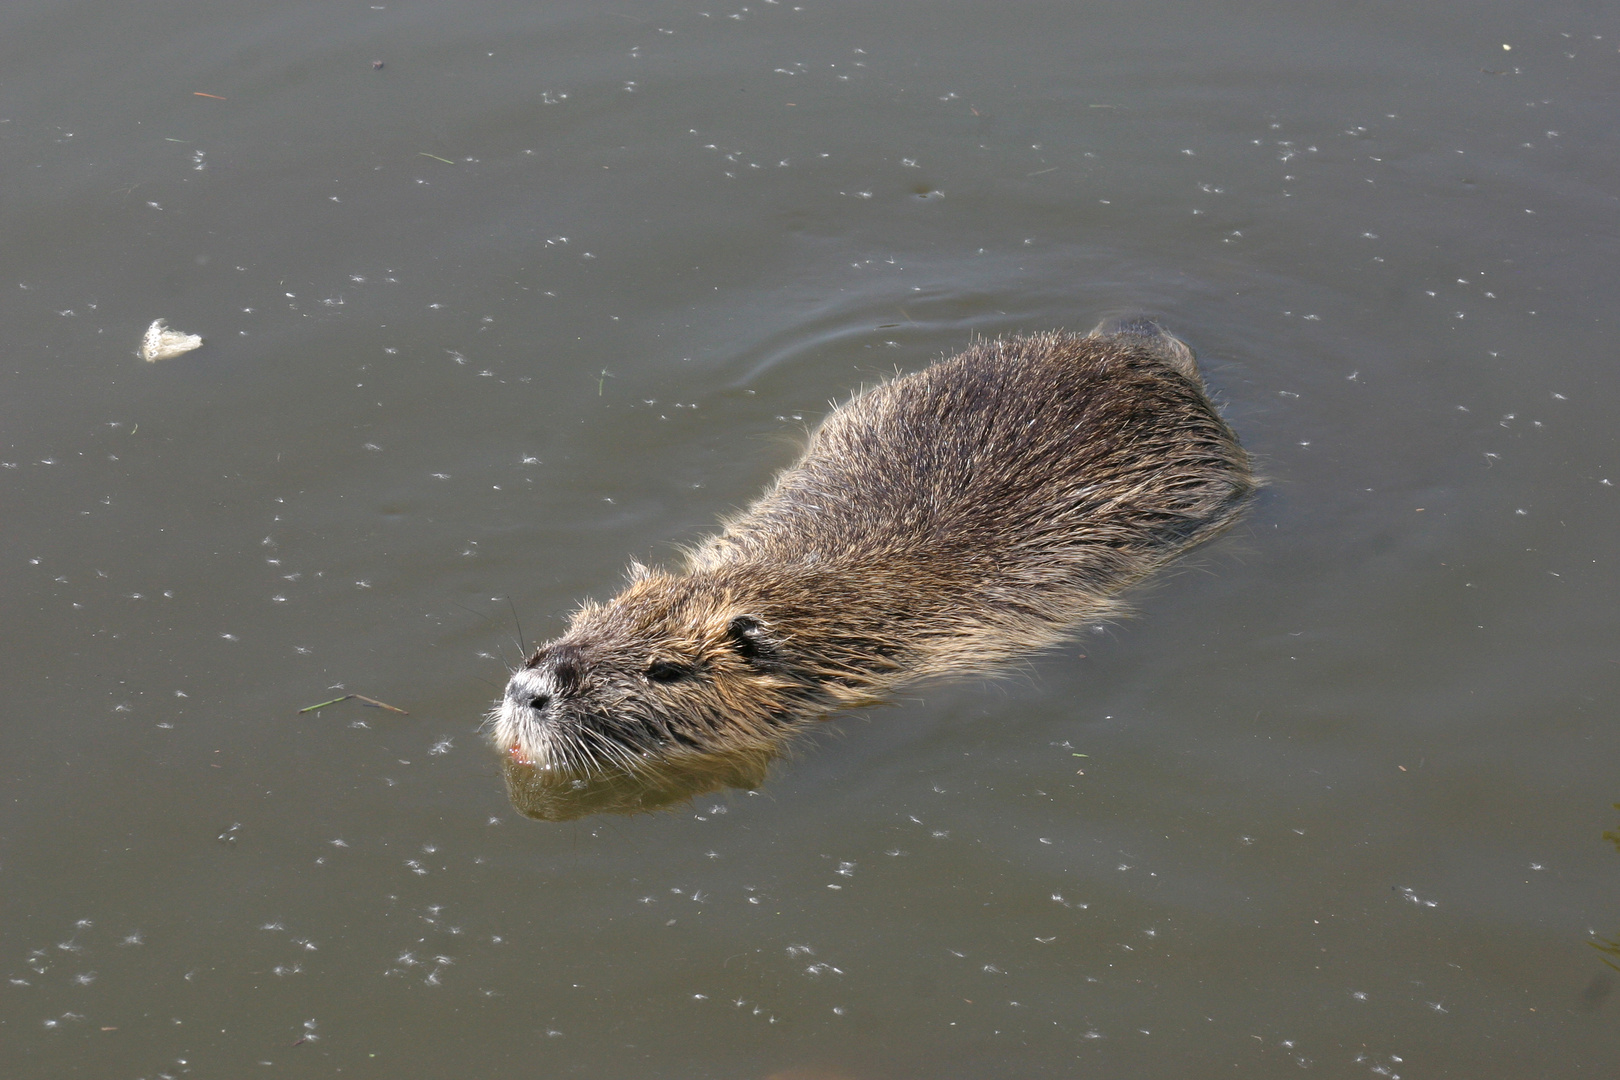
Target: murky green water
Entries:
(553, 288)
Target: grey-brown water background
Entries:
(558, 285)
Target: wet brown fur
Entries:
(942, 523)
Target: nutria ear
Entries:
(747, 636)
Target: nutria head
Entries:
(672, 666)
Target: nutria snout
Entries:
(943, 523)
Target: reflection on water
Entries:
(1609, 947)
(562, 795)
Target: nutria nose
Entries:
(530, 689)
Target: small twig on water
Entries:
(358, 697)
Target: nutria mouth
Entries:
(946, 522)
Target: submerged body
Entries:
(943, 523)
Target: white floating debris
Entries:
(161, 343)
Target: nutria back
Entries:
(942, 523)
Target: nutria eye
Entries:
(747, 635)
(666, 671)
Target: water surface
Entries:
(554, 287)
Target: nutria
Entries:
(942, 523)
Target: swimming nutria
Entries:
(941, 523)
